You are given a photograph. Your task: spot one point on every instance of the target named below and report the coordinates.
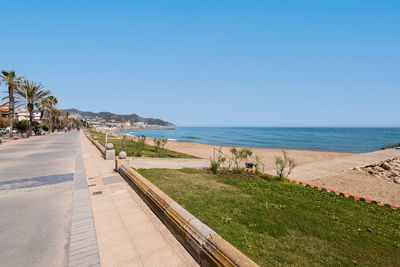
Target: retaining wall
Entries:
(206, 246)
(101, 148)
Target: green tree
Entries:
(48, 104)
(12, 82)
(3, 123)
(58, 122)
(284, 165)
(41, 106)
(22, 126)
(32, 93)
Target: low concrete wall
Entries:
(96, 143)
(206, 246)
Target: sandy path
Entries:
(362, 184)
(267, 155)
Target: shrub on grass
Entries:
(22, 126)
(214, 166)
(160, 146)
(217, 161)
(139, 146)
(238, 155)
(284, 166)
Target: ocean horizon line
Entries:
(329, 139)
(233, 126)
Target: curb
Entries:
(339, 193)
(101, 148)
(206, 246)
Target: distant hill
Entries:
(108, 116)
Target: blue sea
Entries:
(352, 140)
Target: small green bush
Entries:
(22, 126)
(160, 146)
(284, 166)
(214, 166)
(218, 160)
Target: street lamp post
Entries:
(105, 144)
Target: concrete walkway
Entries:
(128, 232)
(168, 163)
(37, 189)
(311, 171)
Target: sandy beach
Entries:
(347, 181)
(362, 184)
(267, 155)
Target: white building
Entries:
(23, 114)
(139, 124)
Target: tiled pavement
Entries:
(128, 232)
(83, 249)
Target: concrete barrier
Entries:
(109, 152)
(101, 148)
(206, 246)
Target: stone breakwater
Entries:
(388, 170)
(389, 147)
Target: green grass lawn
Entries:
(149, 151)
(285, 224)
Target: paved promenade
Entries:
(128, 232)
(36, 200)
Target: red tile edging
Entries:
(355, 197)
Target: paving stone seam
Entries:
(83, 233)
(112, 200)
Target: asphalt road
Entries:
(36, 198)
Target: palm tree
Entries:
(50, 102)
(67, 119)
(41, 106)
(57, 114)
(13, 82)
(32, 93)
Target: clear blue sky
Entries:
(228, 63)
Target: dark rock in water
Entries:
(388, 147)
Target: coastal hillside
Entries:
(111, 117)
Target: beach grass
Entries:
(148, 151)
(285, 224)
